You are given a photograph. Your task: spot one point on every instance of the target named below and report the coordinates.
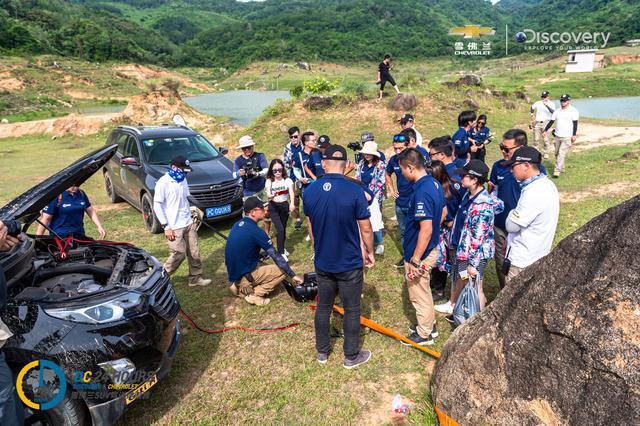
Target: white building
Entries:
(584, 60)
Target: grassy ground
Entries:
(273, 378)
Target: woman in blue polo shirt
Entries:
(371, 172)
(481, 134)
(65, 215)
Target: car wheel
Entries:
(111, 190)
(69, 412)
(150, 220)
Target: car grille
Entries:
(216, 193)
(163, 300)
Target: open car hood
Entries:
(26, 207)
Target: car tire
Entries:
(148, 216)
(112, 195)
(69, 412)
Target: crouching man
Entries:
(242, 254)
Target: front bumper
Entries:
(108, 412)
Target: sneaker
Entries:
(416, 338)
(399, 264)
(449, 318)
(322, 358)
(556, 175)
(286, 253)
(298, 225)
(285, 256)
(413, 328)
(200, 282)
(363, 356)
(379, 249)
(233, 289)
(257, 300)
(444, 308)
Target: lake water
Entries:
(626, 108)
(242, 106)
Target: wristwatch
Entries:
(414, 263)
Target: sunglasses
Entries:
(294, 136)
(277, 170)
(482, 122)
(399, 138)
(506, 148)
(433, 154)
(246, 148)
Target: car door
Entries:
(132, 170)
(115, 166)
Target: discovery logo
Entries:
(546, 41)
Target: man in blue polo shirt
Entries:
(401, 191)
(339, 215)
(242, 254)
(508, 190)
(291, 162)
(463, 144)
(422, 233)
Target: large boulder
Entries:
(318, 102)
(403, 102)
(469, 80)
(561, 343)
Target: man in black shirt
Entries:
(384, 75)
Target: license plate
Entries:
(218, 211)
(140, 390)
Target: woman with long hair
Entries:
(280, 193)
(371, 172)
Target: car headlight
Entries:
(124, 306)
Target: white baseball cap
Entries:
(246, 141)
(370, 148)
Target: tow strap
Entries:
(235, 327)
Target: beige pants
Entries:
(513, 272)
(185, 245)
(265, 279)
(500, 237)
(421, 299)
(562, 149)
(538, 130)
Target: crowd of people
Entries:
(454, 212)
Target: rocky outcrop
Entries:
(318, 102)
(561, 343)
(403, 102)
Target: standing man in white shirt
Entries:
(532, 224)
(566, 119)
(407, 121)
(171, 206)
(541, 112)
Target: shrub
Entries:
(296, 92)
(320, 85)
(358, 88)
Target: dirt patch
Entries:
(545, 80)
(622, 59)
(595, 135)
(598, 192)
(110, 207)
(161, 107)
(143, 73)
(8, 83)
(80, 94)
(71, 124)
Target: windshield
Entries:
(162, 150)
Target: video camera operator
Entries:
(10, 407)
(252, 167)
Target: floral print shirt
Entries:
(374, 177)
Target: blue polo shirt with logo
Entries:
(508, 190)
(68, 213)
(461, 143)
(456, 189)
(334, 205)
(426, 203)
(242, 251)
(295, 159)
(314, 163)
(403, 185)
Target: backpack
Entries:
(468, 302)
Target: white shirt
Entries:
(542, 112)
(170, 203)
(418, 136)
(537, 215)
(564, 119)
(279, 189)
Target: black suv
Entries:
(143, 156)
(102, 313)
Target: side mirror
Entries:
(223, 150)
(129, 161)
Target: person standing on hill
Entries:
(566, 119)
(464, 145)
(541, 113)
(384, 75)
(289, 156)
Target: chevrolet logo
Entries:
(472, 31)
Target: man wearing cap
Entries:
(407, 122)
(541, 112)
(314, 165)
(242, 255)
(289, 157)
(422, 233)
(566, 119)
(462, 143)
(171, 206)
(384, 75)
(532, 224)
(252, 167)
(411, 134)
(339, 215)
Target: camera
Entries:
(251, 168)
(354, 146)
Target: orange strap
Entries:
(444, 419)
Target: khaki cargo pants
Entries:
(562, 149)
(421, 299)
(538, 130)
(185, 245)
(265, 279)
